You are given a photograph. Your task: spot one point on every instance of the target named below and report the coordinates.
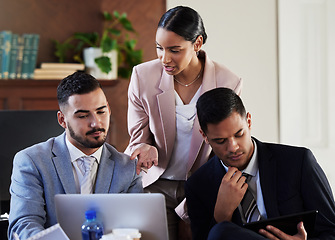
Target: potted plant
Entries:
(114, 39)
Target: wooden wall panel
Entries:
(53, 19)
(58, 19)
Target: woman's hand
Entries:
(147, 156)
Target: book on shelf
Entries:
(5, 56)
(18, 55)
(13, 57)
(19, 58)
(27, 48)
(1, 45)
(33, 55)
(64, 66)
(40, 73)
(56, 71)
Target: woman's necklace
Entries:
(189, 84)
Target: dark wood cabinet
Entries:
(41, 95)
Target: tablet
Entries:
(288, 223)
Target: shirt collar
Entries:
(75, 153)
(252, 167)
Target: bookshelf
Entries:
(33, 16)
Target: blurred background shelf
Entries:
(42, 95)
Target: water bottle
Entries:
(91, 228)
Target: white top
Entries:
(185, 116)
(254, 183)
(78, 173)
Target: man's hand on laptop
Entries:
(275, 234)
(147, 156)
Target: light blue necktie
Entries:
(87, 181)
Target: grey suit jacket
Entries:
(44, 170)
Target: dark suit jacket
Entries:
(291, 181)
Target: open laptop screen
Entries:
(144, 211)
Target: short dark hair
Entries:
(216, 105)
(185, 22)
(76, 83)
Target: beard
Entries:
(86, 142)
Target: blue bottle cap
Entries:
(90, 214)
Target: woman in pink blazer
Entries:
(162, 123)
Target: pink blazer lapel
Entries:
(197, 142)
(166, 105)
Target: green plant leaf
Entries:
(116, 14)
(107, 16)
(104, 64)
(61, 50)
(124, 72)
(79, 46)
(133, 58)
(114, 36)
(114, 31)
(89, 38)
(108, 44)
(126, 24)
(130, 44)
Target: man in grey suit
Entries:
(56, 166)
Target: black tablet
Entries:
(288, 223)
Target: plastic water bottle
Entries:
(91, 228)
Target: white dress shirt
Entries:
(78, 173)
(185, 117)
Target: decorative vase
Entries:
(91, 67)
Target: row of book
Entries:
(18, 55)
(49, 70)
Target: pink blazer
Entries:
(152, 117)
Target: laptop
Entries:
(144, 211)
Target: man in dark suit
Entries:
(282, 179)
(77, 161)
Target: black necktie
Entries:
(248, 204)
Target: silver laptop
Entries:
(144, 211)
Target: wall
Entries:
(58, 19)
(51, 19)
(243, 36)
(307, 59)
